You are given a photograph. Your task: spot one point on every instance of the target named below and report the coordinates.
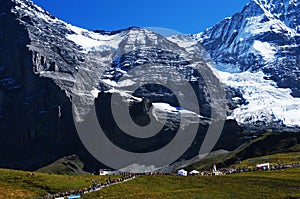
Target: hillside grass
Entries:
(8, 190)
(264, 147)
(267, 184)
(22, 184)
(70, 165)
(275, 159)
(206, 163)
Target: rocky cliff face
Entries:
(35, 114)
(46, 65)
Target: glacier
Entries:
(265, 101)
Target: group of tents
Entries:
(183, 172)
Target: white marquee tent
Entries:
(194, 172)
(182, 172)
(265, 166)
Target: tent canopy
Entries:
(194, 172)
(182, 172)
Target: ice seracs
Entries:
(266, 103)
(265, 49)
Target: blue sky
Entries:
(186, 16)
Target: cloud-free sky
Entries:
(186, 16)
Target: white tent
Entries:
(182, 172)
(194, 172)
(265, 166)
(104, 172)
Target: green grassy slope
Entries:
(22, 184)
(267, 144)
(70, 165)
(275, 159)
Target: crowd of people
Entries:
(95, 186)
(228, 171)
(248, 169)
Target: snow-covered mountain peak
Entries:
(256, 7)
(272, 5)
(284, 10)
(137, 38)
(260, 22)
(92, 41)
(263, 40)
(131, 38)
(28, 8)
(128, 40)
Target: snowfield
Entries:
(90, 41)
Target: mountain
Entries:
(60, 83)
(257, 52)
(56, 79)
